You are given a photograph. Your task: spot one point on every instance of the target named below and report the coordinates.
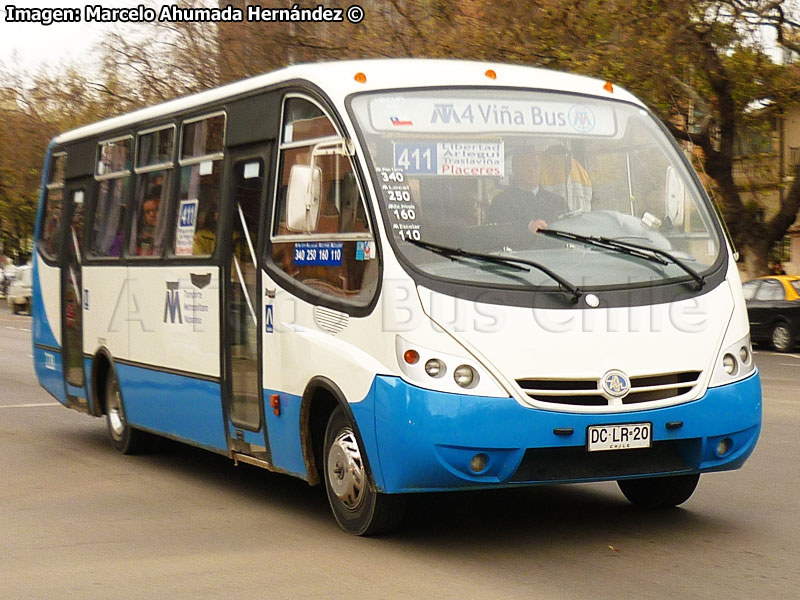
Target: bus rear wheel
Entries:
(124, 438)
(659, 492)
(358, 508)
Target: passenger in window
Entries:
(205, 238)
(146, 245)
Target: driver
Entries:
(526, 201)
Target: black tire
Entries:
(124, 438)
(15, 308)
(358, 508)
(659, 492)
(782, 337)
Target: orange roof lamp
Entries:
(609, 87)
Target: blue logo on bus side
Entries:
(172, 303)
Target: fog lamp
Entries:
(724, 446)
(478, 463)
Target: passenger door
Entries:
(73, 298)
(242, 344)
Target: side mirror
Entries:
(305, 182)
(675, 200)
(303, 198)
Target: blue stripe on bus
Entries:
(181, 407)
(48, 366)
(284, 434)
(426, 439)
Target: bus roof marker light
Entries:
(491, 74)
(360, 77)
(609, 87)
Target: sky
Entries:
(36, 44)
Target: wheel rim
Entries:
(780, 337)
(346, 470)
(116, 418)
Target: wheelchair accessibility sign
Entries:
(268, 318)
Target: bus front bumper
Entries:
(420, 440)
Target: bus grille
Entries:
(587, 392)
(574, 462)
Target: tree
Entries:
(34, 108)
(701, 65)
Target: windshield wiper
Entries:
(507, 261)
(629, 248)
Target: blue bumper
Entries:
(420, 440)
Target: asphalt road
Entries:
(78, 520)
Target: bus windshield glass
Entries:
(485, 170)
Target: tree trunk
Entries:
(756, 257)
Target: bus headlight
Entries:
(465, 376)
(733, 363)
(429, 368)
(435, 368)
(729, 364)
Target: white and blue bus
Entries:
(399, 276)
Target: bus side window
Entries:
(154, 161)
(54, 201)
(202, 146)
(113, 172)
(337, 257)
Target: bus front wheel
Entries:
(124, 438)
(358, 508)
(659, 492)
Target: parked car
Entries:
(19, 291)
(7, 275)
(773, 306)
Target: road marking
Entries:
(34, 405)
(781, 354)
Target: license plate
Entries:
(619, 437)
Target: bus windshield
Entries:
(485, 171)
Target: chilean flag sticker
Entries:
(397, 122)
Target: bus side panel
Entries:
(177, 406)
(47, 328)
(105, 310)
(49, 369)
(46, 304)
(173, 317)
(284, 433)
